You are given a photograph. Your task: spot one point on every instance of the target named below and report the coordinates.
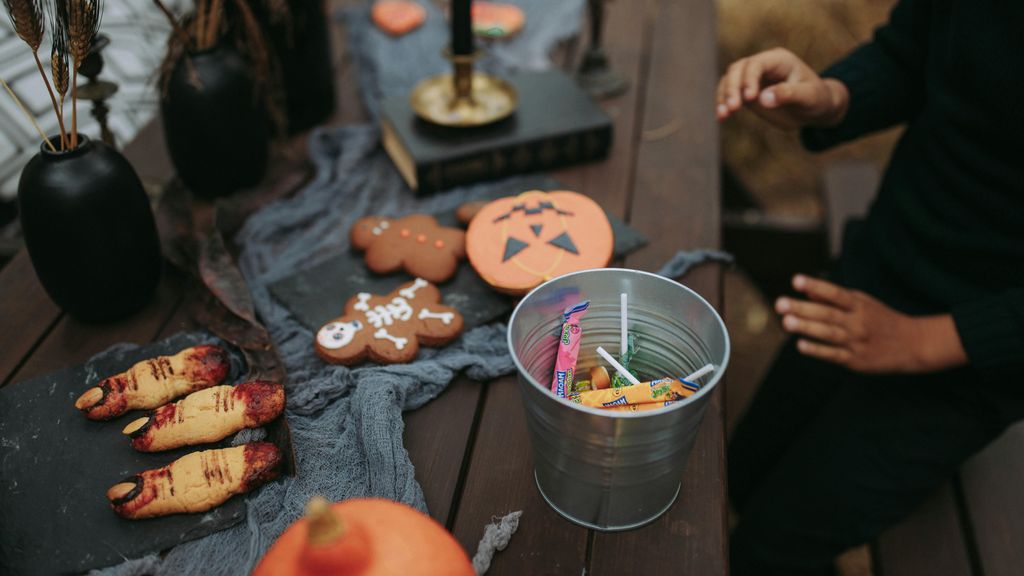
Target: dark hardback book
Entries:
(555, 125)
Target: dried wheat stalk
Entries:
(200, 22)
(28, 22)
(59, 62)
(83, 22)
(175, 26)
(212, 29)
(27, 114)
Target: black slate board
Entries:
(318, 294)
(56, 466)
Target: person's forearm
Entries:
(936, 344)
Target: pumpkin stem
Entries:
(324, 525)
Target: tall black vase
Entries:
(304, 51)
(214, 124)
(89, 231)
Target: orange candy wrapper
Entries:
(639, 407)
(656, 392)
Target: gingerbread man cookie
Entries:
(389, 329)
(416, 243)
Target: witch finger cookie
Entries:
(389, 329)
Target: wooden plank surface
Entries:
(499, 478)
(27, 312)
(469, 445)
(658, 184)
(993, 488)
(928, 542)
(676, 201)
(627, 44)
(438, 437)
(73, 342)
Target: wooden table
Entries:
(469, 445)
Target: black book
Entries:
(556, 124)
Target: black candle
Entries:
(462, 33)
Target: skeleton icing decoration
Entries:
(416, 243)
(518, 242)
(389, 328)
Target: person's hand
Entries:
(779, 87)
(853, 329)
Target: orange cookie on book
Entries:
(389, 329)
(416, 244)
(518, 242)
(397, 17)
(497, 20)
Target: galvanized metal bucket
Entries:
(614, 470)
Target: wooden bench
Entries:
(974, 524)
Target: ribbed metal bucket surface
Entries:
(614, 470)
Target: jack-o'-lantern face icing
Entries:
(516, 243)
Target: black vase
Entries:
(304, 52)
(89, 231)
(214, 124)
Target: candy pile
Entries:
(624, 392)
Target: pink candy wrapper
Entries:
(568, 349)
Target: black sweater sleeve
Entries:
(885, 78)
(992, 332)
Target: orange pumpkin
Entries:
(516, 243)
(364, 537)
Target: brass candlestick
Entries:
(465, 98)
(595, 75)
(95, 90)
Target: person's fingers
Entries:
(824, 291)
(777, 65)
(721, 110)
(810, 310)
(733, 80)
(789, 93)
(818, 330)
(752, 79)
(825, 352)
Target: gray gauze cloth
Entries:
(684, 260)
(388, 66)
(346, 422)
(496, 538)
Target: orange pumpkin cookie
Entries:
(417, 244)
(397, 17)
(389, 329)
(516, 243)
(497, 20)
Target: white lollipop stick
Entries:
(618, 367)
(701, 372)
(624, 337)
